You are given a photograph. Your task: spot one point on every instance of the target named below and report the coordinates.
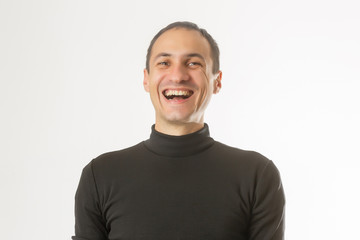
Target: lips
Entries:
(171, 94)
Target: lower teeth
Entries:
(172, 97)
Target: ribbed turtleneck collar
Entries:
(179, 146)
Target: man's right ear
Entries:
(146, 80)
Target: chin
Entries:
(177, 117)
(182, 118)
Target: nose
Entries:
(179, 73)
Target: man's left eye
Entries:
(194, 64)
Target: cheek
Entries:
(204, 89)
(203, 84)
(153, 85)
(200, 77)
(156, 79)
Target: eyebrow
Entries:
(164, 54)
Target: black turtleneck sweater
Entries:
(180, 188)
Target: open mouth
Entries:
(177, 94)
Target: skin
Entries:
(181, 60)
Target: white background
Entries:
(71, 89)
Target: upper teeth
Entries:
(177, 93)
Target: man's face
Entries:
(180, 79)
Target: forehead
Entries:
(181, 41)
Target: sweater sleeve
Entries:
(89, 222)
(267, 220)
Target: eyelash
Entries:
(163, 63)
(190, 63)
(194, 63)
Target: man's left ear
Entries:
(217, 82)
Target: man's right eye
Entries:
(163, 63)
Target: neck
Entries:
(178, 129)
(179, 146)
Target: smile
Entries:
(174, 94)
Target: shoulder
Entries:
(109, 161)
(115, 155)
(250, 166)
(239, 155)
(246, 163)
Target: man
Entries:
(180, 183)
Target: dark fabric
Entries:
(180, 188)
(179, 146)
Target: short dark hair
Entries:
(215, 52)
